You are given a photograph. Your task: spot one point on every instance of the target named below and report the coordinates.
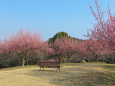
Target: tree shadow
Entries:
(72, 77)
(109, 66)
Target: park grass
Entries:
(71, 74)
(17, 67)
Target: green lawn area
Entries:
(71, 74)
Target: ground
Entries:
(79, 74)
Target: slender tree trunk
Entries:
(59, 59)
(23, 62)
(27, 60)
(23, 59)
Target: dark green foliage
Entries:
(12, 60)
(58, 36)
(62, 35)
(8, 60)
(110, 58)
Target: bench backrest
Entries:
(46, 64)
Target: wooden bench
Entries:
(49, 65)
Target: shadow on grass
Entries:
(113, 79)
(73, 76)
(109, 67)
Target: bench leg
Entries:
(41, 67)
(58, 68)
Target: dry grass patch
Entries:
(79, 74)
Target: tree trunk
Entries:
(27, 60)
(59, 59)
(23, 62)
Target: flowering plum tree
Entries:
(93, 48)
(65, 47)
(24, 44)
(103, 30)
(4, 47)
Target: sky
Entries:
(49, 16)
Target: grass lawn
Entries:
(71, 74)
